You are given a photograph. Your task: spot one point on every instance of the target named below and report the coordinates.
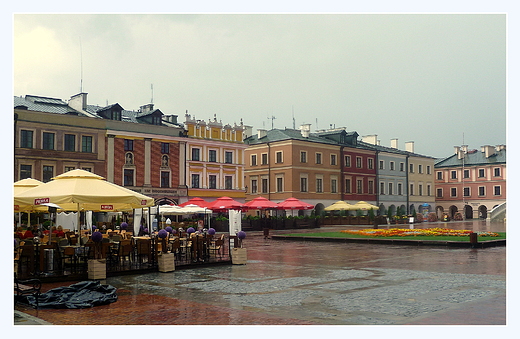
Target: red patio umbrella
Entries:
(225, 203)
(294, 204)
(261, 203)
(195, 201)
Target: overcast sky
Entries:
(427, 78)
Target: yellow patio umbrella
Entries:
(340, 206)
(364, 206)
(24, 185)
(80, 190)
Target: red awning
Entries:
(294, 204)
(195, 201)
(261, 203)
(224, 203)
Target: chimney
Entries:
(460, 151)
(499, 148)
(410, 146)
(78, 101)
(488, 150)
(146, 108)
(370, 139)
(305, 130)
(393, 143)
(261, 133)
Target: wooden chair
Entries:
(217, 246)
(27, 258)
(144, 249)
(125, 250)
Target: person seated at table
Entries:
(59, 232)
(28, 234)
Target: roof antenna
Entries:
(81, 66)
(293, 121)
(272, 120)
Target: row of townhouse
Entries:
(145, 150)
(324, 167)
(152, 153)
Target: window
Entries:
(392, 166)
(264, 158)
(420, 189)
(128, 177)
(420, 169)
(348, 186)
(411, 168)
(481, 191)
(212, 182)
(165, 148)
(228, 157)
(26, 139)
(165, 179)
(454, 174)
(69, 168)
(439, 192)
(497, 171)
(279, 157)
(303, 184)
(401, 166)
(370, 163)
(279, 184)
(358, 162)
(88, 169)
(381, 164)
(411, 189)
(370, 187)
(228, 182)
(86, 144)
(265, 184)
(156, 120)
(400, 189)
(253, 159)
(466, 174)
(195, 181)
(382, 188)
(466, 192)
(195, 154)
(333, 160)
(454, 191)
(439, 175)
(254, 186)
(481, 173)
(319, 185)
(428, 169)
(390, 188)
(428, 190)
(48, 140)
(115, 115)
(347, 161)
(318, 158)
(303, 156)
(212, 155)
(25, 171)
(333, 186)
(129, 145)
(360, 186)
(69, 144)
(48, 173)
(498, 190)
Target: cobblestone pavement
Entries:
(297, 283)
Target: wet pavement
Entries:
(309, 283)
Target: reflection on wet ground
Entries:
(288, 282)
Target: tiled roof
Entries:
(286, 134)
(44, 104)
(473, 159)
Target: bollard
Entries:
(473, 238)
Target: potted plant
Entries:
(239, 254)
(165, 259)
(97, 267)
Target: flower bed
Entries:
(396, 232)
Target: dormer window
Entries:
(156, 120)
(115, 115)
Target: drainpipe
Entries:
(376, 189)
(407, 169)
(342, 172)
(268, 171)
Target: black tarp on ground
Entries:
(80, 295)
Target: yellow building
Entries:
(214, 159)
